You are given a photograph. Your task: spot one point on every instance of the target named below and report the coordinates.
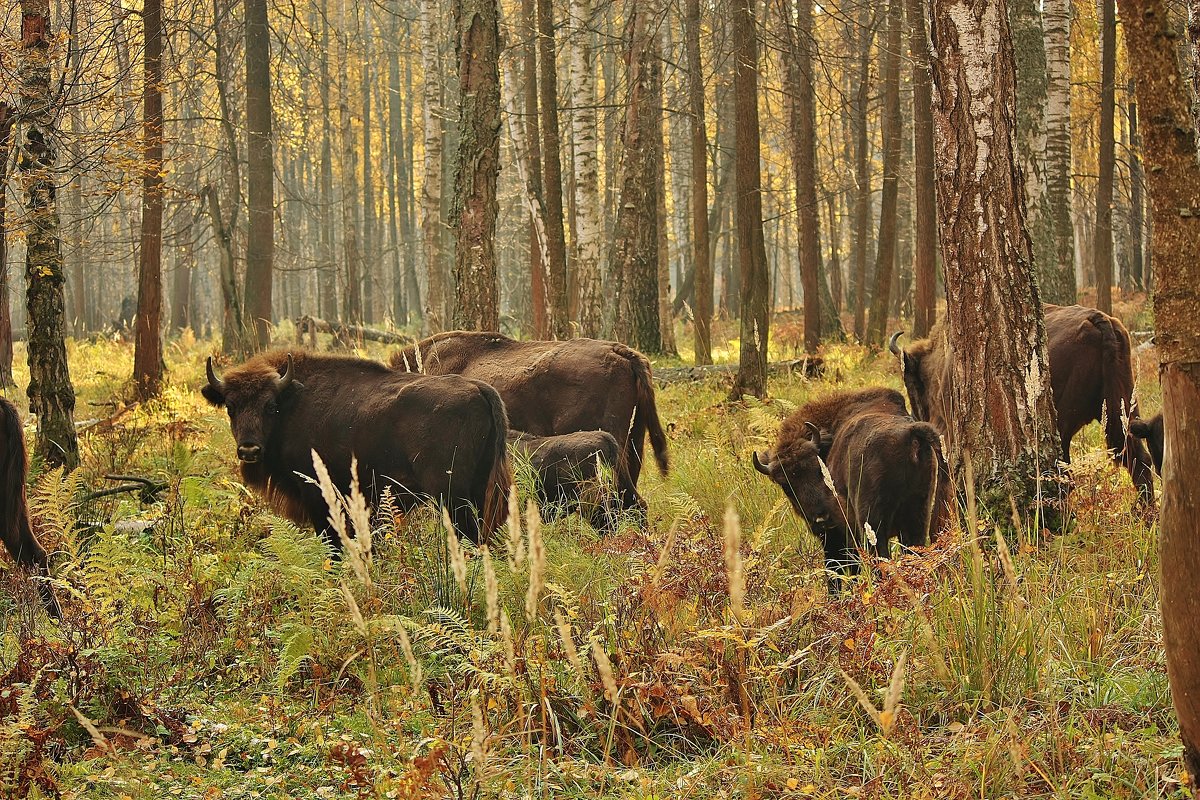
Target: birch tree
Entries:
(1056, 271)
(589, 230)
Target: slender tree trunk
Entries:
(1000, 410)
(888, 217)
(1056, 271)
(703, 310)
(260, 176)
(1137, 221)
(804, 166)
(327, 262)
(369, 242)
(924, 191)
(589, 220)
(147, 348)
(1102, 254)
(1173, 186)
(1029, 53)
(752, 257)
(233, 324)
(862, 169)
(352, 303)
(436, 317)
(51, 395)
(556, 255)
(6, 342)
(666, 324)
(535, 196)
(473, 216)
(413, 289)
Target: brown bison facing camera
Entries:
(552, 388)
(567, 471)
(425, 437)
(1091, 378)
(885, 470)
(18, 536)
(1152, 431)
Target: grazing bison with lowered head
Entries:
(18, 535)
(424, 437)
(567, 469)
(885, 471)
(1091, 378)
(1152, 431)
(551, 388)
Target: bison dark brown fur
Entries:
(830, 412)
(884, 470)
(424, 437)
(17, 533)
(1091, 378)
(1151, 430)
(552, 388)
(568, 474)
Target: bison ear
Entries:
(212, 394)
(1139, 428)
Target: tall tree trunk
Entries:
(260, 176)
(6, 342)
(892, 136)
(1173, 186)
(862, 169)
(436, 317)
(556, 255)
(1137, 221)
(369, 242)
(405, 300)
(326, 260)
(1001, 415)
(147, 347)
(352, 303)
(1102, 254)
(413, 289)
(703, 310)
(1029, 53)
(636, 248)
(666, 324)
(1056, 272)
(924, 191)
(589, 220)
(473, 216)
(234, 333)
(804, 166)
(752, 256)
(51, 395)
(534, 194)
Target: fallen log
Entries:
(308, 326)
(811, 367)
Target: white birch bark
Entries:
(584, 126)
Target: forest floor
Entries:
(212, 650)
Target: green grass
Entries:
(216, 654)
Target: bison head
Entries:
(1152, 431)
(797, 467)
(253, 398)
(920, 364)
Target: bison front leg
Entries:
(841, 557)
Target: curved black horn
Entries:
(765, 469)
(213, 380)
(285, 380)
(892, 343)
(814, 433)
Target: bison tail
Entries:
(498, 477)
(14, 515)
(646, 416)
(1119, 405)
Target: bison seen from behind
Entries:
(568, 472)
(1091, 378)
(424, 437)
(1151, 430)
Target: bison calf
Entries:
(567, 469)
(424, 437)
(1152, 431)
(886, 476)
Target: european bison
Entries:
(18, 536)
(1091, 378)
(830, 412)
(1152, 431)
(425, 437)
(551, 388)
(884, 470)
(567, 470)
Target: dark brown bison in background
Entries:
(885, 470)
(1151, 430)
(1091, 377)
(19, 540)
(552, 388)
(425, 437)
(567, 471)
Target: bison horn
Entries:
(892, 348)
(285, 380)
(213, 381)
(765, 469)
(814, 433)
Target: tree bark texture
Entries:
(1102, 253)
(260, 176)
(436, 310)
(924, 188)
(893, 124)
(6, 342)
(473, 216)
(862, 169)
(589, 222)
(1056, 271)
(1000, 410)
(702, 308)
(534, 188)
(752, 256)
(51, 395)
(556, 255)
(147, 347)
(1137, 221)
(1173, 187)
